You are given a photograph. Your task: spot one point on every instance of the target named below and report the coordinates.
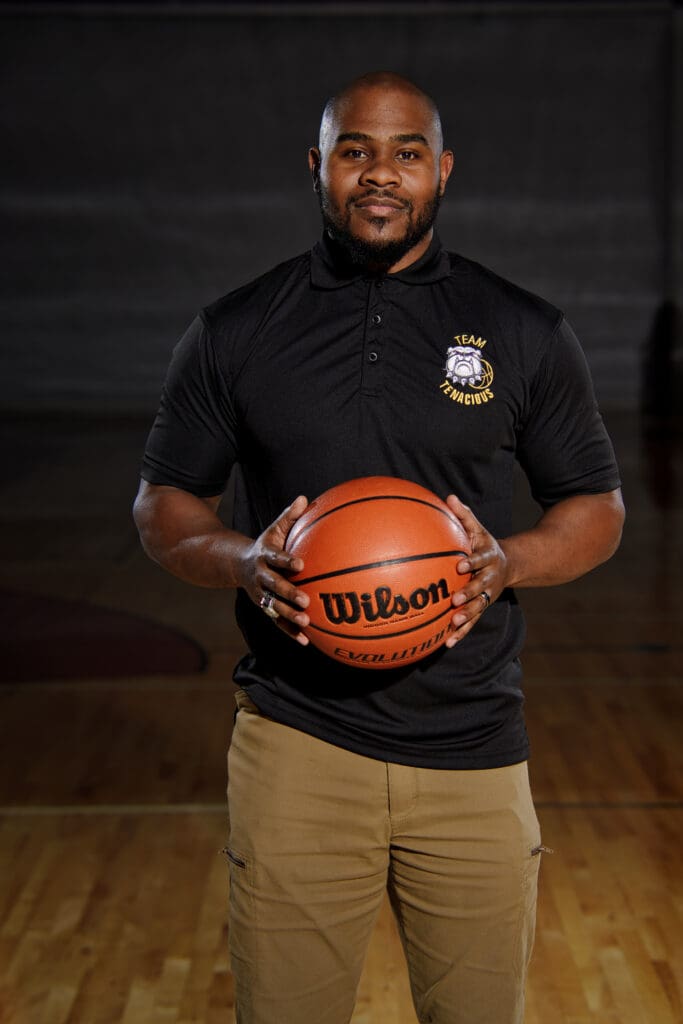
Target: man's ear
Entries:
(446, 161)
(314, 166)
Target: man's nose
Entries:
(381, 173)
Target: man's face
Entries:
(380, 176)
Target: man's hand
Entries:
(571, 538)
(488, 566)
(260, 569)
(184, 534)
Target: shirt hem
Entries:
(377, 752)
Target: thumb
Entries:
(289, 516)
(468, 520)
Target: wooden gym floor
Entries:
(112, 885)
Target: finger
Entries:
(287, 614)
(287, 618)
(485, 554)
(282, 589)
(278, 558)
(285, 521)
(459, 633)
(472, 528)
(464, 620)
(292, 632)
(471, 594)
(464, 566)
(469, 605)
(275, 537)
(464, 514)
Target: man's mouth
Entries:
(380, 206)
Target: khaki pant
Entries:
(317, 834)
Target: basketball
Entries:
(380, 558)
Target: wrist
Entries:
(231, 554)
(512, 576)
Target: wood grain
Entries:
(113, 889)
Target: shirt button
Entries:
(377, 319)
(373, 357)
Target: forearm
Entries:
(570, 539)
(184, 535)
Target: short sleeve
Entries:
(563, 445)
(192, 444)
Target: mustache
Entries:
(379, 193)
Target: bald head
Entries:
(378, 87)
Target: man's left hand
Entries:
(488, 566)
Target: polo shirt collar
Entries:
(331, 269)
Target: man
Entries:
(379, 354)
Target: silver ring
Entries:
(487, 599)
(267, 603)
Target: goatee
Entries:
(377, 255)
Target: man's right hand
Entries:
(185, 535)
(260, 570)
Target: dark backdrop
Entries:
(154, 158)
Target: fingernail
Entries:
(459, 620)
(302, 639)
(303, 601)
(459, 598)
(463, 567)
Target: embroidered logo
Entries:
(468, 375)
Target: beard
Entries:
(376, 254)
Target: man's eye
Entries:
(407, 154)
(355, 154)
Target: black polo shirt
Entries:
(444, 374)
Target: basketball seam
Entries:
(378, 565)
(375, 497)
